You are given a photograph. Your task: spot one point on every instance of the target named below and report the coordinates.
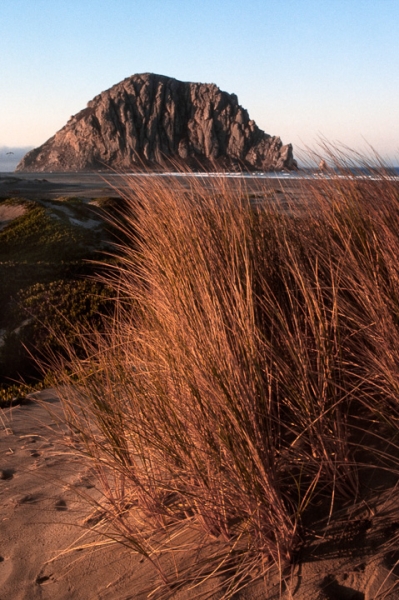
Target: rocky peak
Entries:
(153, 121)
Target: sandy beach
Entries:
(53, 185)
(50, 546)
(107, 183)
(47, 550)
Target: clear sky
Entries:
(303, 68)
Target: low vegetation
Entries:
(45, 314)
(244, 400)
(46, 256)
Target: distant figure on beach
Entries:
(323, 166)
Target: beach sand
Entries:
(98, 185)
(9, 212)
(44, 516)
(49, 549)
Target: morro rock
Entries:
(157, 122)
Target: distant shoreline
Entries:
(92, 184)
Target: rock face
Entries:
(156, 122)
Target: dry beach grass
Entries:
(241, 409)
(246, 392)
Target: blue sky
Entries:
(303, 68)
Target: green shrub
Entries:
(44, 315)
(43, 259)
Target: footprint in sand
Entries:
(61, 505)
(28, 439)
(94, 519)
(28, 499)
(6, 474)
(382, 580)
(40, 579)
(6, 567)
(332, 590)
(85, 482)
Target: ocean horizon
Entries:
(368, 173)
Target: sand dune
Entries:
(44, 516)
(48, 549)
(10, 212)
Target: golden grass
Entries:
(246, 391)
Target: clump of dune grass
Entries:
(245, 394)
